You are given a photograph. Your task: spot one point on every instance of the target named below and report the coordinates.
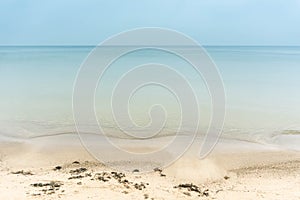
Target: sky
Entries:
(210, 22)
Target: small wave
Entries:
(282, 139)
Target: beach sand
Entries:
(34, 170)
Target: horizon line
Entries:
(90, 45)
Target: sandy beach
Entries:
(65, 171)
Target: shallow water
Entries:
(263, 99)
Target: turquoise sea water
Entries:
(262, 89)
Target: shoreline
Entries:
(29, 172)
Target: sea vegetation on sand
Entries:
(291, 132)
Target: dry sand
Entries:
(28, 171)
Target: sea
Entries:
(261, 84)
